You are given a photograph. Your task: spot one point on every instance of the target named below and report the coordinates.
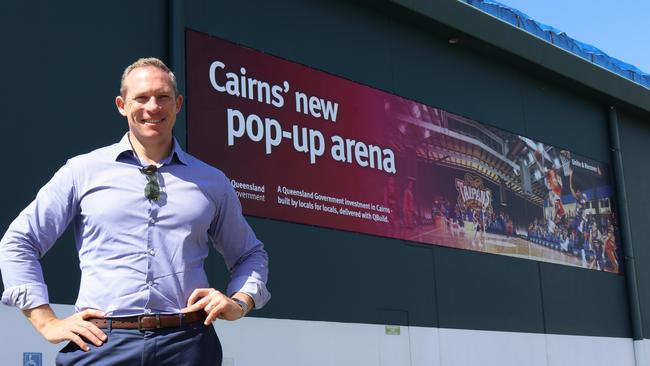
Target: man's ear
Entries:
(119, 102)
(179, 103)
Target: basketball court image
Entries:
(468, 237)
(481, 188)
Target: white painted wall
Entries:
(280, 342)
(642, 352)
(17, 336)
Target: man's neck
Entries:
(150, 153)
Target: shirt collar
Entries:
(124, 146)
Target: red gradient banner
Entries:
(308, 147)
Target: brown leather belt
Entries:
(149, 322)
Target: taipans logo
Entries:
(472, 194)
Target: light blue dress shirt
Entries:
(137, 256)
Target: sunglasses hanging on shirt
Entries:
(152, 188)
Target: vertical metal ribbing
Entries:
(176, 59)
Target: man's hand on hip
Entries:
(215, 304)
(74, 328)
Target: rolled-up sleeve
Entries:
(30, 236)
(243, 253)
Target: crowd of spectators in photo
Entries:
(591, 237)
(457, 214)
(557, 237)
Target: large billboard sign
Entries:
(305, 146)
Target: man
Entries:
(580, 220)
(479, 227)
(597, 245)
(409, 205)
(610, 250)
(553, 182)
(144, 213)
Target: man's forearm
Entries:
(40, 316)
(75, 328)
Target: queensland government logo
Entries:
(472, 193)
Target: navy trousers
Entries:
(192, 345)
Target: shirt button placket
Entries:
(150, 252)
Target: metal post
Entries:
(626, 236)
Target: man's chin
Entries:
(152, 136)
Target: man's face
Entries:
(150, 105)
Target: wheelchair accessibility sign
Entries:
(32, 359)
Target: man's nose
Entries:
(153, 104)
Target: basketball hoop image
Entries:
(565, 158)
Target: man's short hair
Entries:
(146, 62)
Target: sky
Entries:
(620, 28)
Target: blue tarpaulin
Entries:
(562, 40)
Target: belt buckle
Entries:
(141, 317)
